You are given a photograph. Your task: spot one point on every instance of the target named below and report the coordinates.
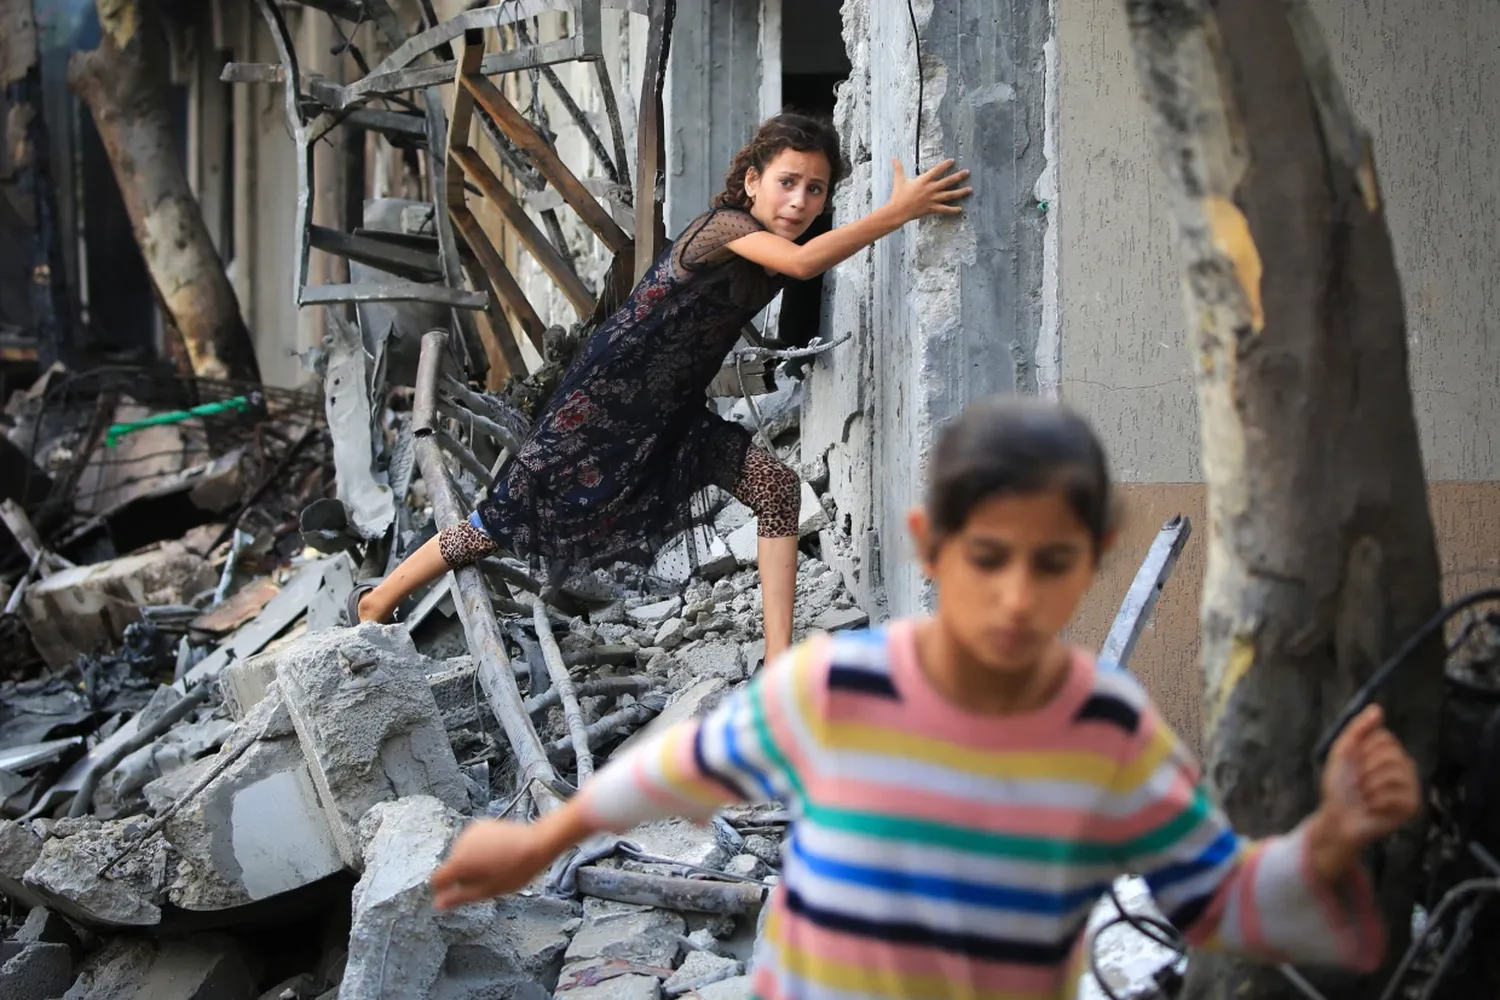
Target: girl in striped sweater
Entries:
(965, 787)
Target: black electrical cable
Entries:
(1366, 694)
(1167, 936)
(1157, 931)
(916, 160)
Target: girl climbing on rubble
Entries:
(964, 787)
(627, 440)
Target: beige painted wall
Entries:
(1423, 77)
(1425, 80)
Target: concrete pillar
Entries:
(946, 311)
(713, 99)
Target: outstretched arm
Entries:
(741, 751)
(933, 193)
(1299, 897)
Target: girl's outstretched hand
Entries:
(1370, 789)
(932, 193)
(491, 858)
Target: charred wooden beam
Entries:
(520, 131)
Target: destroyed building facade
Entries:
(369, 747)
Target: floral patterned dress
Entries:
(614, 461)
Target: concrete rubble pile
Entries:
(213, 787)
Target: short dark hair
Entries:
(1013, 446)
(788, 130)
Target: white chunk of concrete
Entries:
(368, 725)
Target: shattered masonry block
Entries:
(735, 515)
(400, 947)
(243, 683)
(811, 516)
(86, 607)
(626, 987)
(737, 988)
(619, 931)
(700, 969)
(655, 614)
(40, 972)
(258, 829)
(839, 619)
(43, 926)
(20, 847)
(711, 659)
(670, 635)
(369, 727)
(744, 543)
(66, 875)
(680, 840)
(205, 967)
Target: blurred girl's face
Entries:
(1011, 578)
(790, 193)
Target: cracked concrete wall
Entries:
(1419, 77)
(947, 310)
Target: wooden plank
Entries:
(650, 153)
(519, 131)
(534, 239)
(461, 118)
(495, 335)
(499, 275)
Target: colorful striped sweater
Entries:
(936, 852)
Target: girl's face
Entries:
(790, 193)
(1011, 578)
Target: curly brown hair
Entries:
(788, 130)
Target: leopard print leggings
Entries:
(761, 483)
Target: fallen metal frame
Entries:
(314, 106)
(306, 130)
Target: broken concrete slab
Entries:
(744, 543)
(811, 515)
(20, 847)
(655, 613)
(670, 635)
(400, 947)
(732, 517)
(243, 683)
(44, 926)
(206, 967)
(66, 875)
(709, 659)
(87, 607)
(630, 986)
(700, 969)
(258, 829)
(839, 619)
(627, 933)
(680, 840)
(167, 789)
(40, 972)
(737, 988)
(368, 724)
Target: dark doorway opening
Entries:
(813, 64)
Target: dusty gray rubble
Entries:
(213, 787)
